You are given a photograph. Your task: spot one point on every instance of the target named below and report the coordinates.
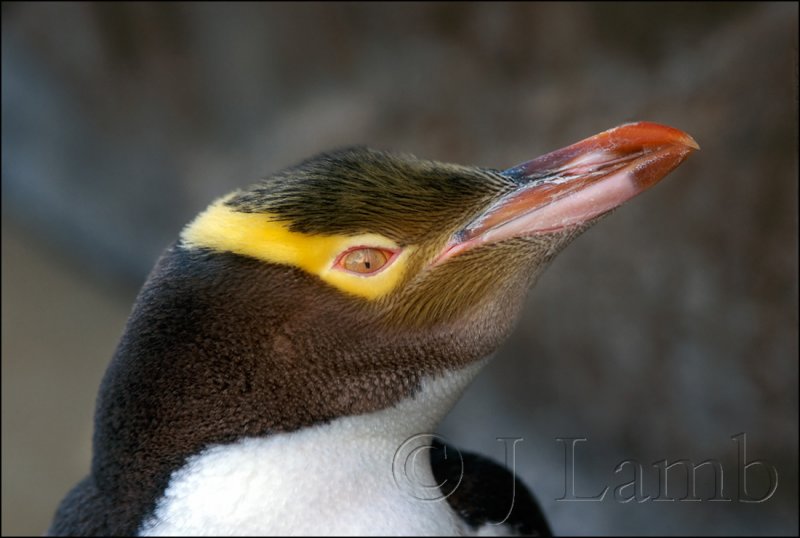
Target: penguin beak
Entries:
(573, 185)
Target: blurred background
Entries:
(659, 334)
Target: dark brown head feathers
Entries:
(359, 190)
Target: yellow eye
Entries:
(364, 260)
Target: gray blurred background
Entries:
(659, 334)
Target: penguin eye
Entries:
(364, 260)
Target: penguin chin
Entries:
(485, 311)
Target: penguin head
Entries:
(422, 247)
(334, 287)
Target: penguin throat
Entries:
(360, 474)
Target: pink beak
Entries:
(575, 184)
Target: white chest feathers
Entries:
(354, 475)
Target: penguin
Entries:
(291, 353)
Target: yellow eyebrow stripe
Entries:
(259, 235)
